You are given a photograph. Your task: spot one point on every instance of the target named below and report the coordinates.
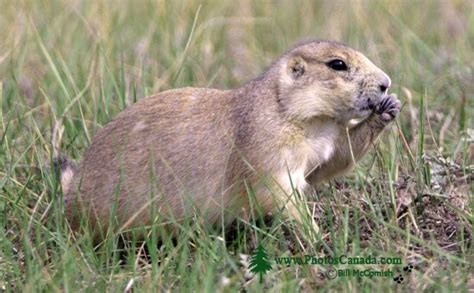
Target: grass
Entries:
(82, 62)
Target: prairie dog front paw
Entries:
(388, 108)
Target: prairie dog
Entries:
(196, 150)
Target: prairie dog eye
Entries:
(337, 64)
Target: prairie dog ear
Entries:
(296, 67)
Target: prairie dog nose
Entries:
(385, 84)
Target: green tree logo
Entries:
(259, 262)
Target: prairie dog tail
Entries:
(63, 164)
(68, 169)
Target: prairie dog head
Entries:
(329, 79)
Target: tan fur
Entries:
(195, 150)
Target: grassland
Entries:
(82, 62)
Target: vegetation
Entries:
(79, 63)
